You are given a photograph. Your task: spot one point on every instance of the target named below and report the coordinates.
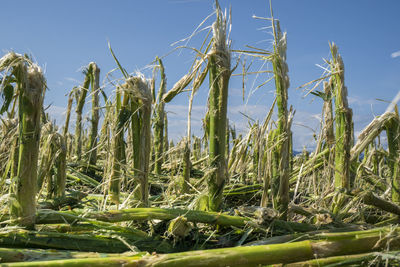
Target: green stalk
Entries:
(30, 88)
(330, 245)
(393, 136)
(141, 128)
(129, 147)
(118, 145)
(135, 125)
(159, 121)
(273, 140)
(196, 148)
(53, 240)
(185, 177)
(14, 157)
(53, 164)
(281, 77)
(291, 156)
(90, 260)
(219, 74)
(346, 260)
(9, 133)
(46, 159)
(328, 131)
(31, 255)
(92, 144)
(343, 119)
(68, 115)
(105, 140)
(72, 199)
(166, 142)
(227, 141)
(370, 199)
(60, 166)
(30, 103)
(81, 97)
(256, 152)
(87, 180)
(329, 135)
(140, 214)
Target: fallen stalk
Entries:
(330, 245)
(141, 214)
(29, 255)
(103, 243)
(380, 203)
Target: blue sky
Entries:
(63, 36)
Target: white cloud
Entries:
(395, 54)
(73, 80)
(181, 112)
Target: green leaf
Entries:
(105, 98)
(8, 93)
(320, 94)
(124, 72)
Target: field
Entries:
(119, 192)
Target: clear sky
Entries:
(63, 36)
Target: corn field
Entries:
(116, 191)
